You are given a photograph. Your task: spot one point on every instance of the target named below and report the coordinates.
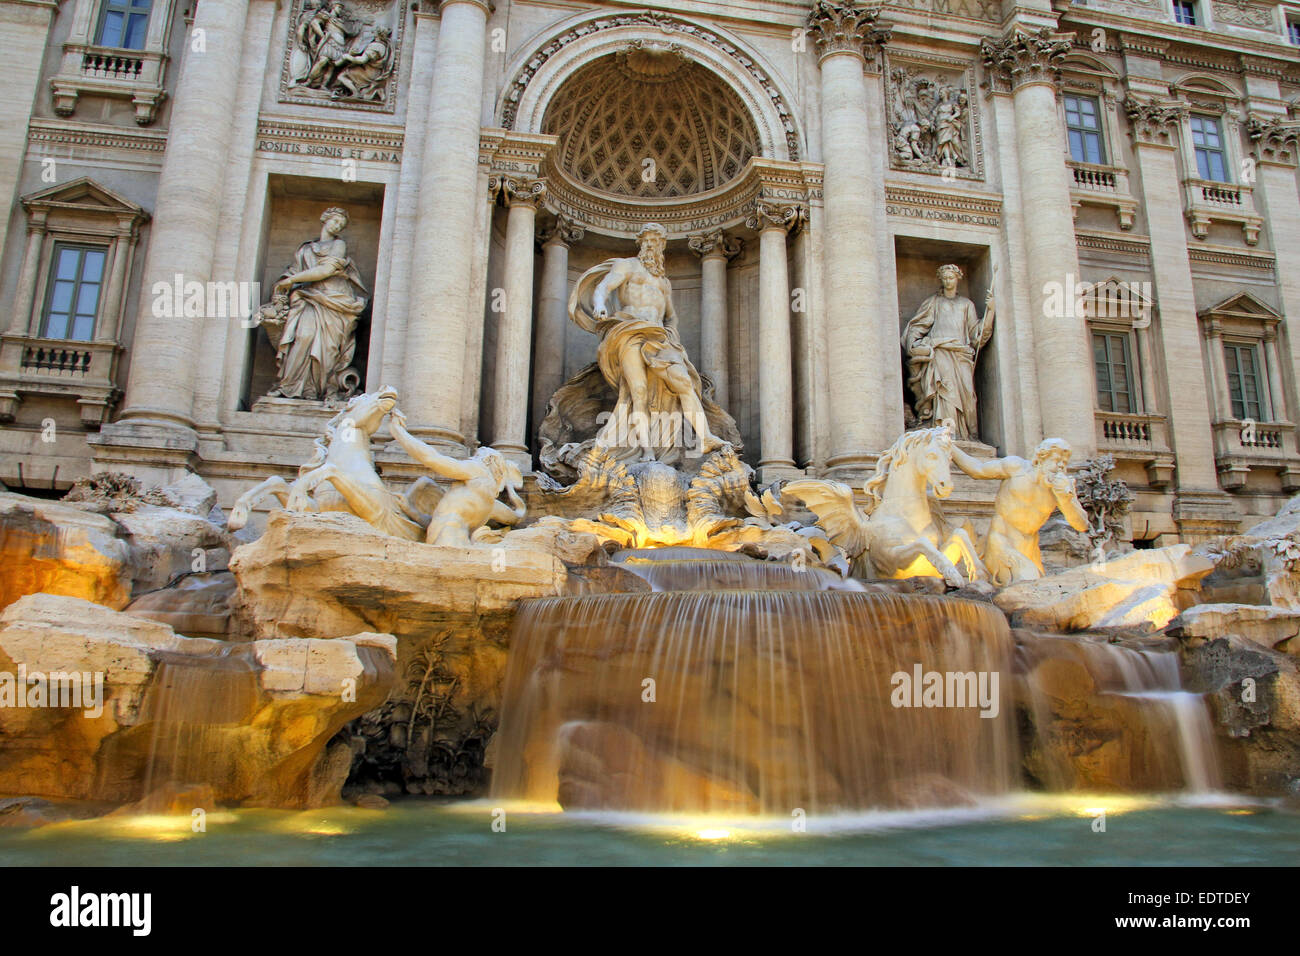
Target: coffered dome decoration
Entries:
(650, 101)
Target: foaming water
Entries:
(751, 702)
(698, 569)
(1145, 732)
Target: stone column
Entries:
(775, 368)
(515, 331)
(112, 314)
(443, 250)
(20, 323)
(1154, 128)
(714, 249)
(1218, 375)
(1277, 407)
(865, 381)
(1027, 64)
(552, 312)
(182, 240)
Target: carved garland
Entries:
(667, 24)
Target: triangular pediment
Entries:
(1243, 305)
(1125, 290)
(84, 195)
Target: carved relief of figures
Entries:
(312, 317)
(942, 341)
(929, 122)
(342, 53)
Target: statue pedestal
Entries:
(767, 474)
(976, 449)
(274, 405)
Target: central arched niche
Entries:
(650, 104)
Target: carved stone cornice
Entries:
(561, 229)
(1021, 58)
(1152, 120)
(845, 28)
(765, 215)
(717, 242)
(1276, 140)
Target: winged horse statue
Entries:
(898, 533)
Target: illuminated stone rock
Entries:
(58, 549)
(1145, 588)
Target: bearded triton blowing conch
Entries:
(629, 304)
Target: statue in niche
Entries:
(942, 341)
(339, 55)
(928, 123)
(312, 317)
(656, 392)
(1028, 495)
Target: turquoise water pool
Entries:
(1024, 830)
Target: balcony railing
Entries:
(86, 371)
(1101, 185)
(1209, 201)
(108, 65)
(48, 359)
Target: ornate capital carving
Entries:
(716, 242)
(1276, 140)
(764, 215)
(1021, 58)
(1152, 120)
(845, 28)
(562, 229)
(525, 192)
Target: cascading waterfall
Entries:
(764, 698)
(193, 704)
(1144, 731)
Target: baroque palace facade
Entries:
(1116, 179)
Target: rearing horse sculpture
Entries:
(898, 532)
(341, 475)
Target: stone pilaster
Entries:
(865, 382)
(443, 250)
(1276, 146)
(715, 249)
(20, 322)
(1026, 65)
(773, 221)
(552, 312)
(111, 316)
(515, 331)
(1153, 123)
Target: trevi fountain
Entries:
(648, 640)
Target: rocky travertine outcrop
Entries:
(1142, 589)
(58, 549)
(1271, 627)
(1254, 693)
(450, 609)
(257, 719)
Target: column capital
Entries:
(562, 230)
(765, 215)
(715, 243)
(1022, 57)
(1275, 140)
(523, 192)
(846, 28)
(1153, 120)
(440, 6)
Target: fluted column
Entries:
(1027, 65)
(862, 365)
(775, 368)
(20, 322)
(515, 331)
(442, 265)
(714, 249)
(183, 237)
(552, 312)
